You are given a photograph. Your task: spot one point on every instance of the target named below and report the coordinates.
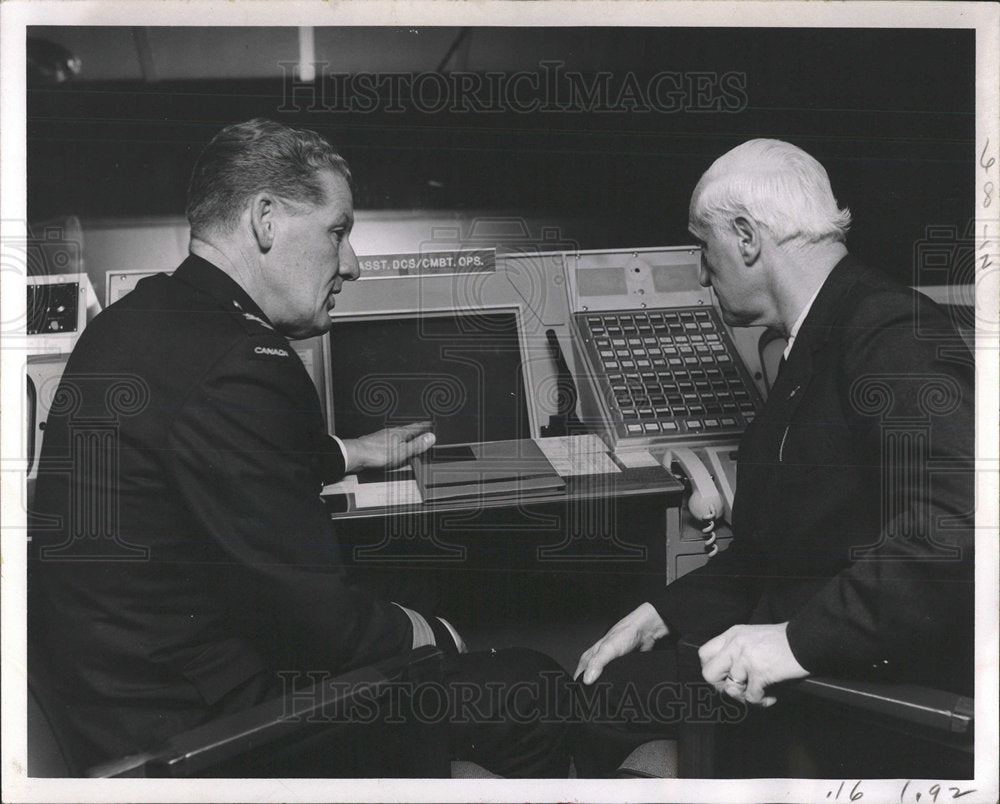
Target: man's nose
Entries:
(349, 267)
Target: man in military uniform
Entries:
(189, 559)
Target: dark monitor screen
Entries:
(462, 371)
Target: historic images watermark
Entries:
(549, 89)
(93, 406)
(318, 697)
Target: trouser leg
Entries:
(510, 712)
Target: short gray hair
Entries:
(774, 183)
(247, 158)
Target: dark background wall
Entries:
(890, 113)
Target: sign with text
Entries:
(428, 263)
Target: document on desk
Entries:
(492, 468)
(578, 455)
(395, 489)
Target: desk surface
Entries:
(589, 470)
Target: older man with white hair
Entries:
(850, 556)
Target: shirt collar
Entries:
(798, 321)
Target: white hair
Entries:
(774, 183)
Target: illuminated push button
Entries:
(749, 417)
(694, 425)
(675, 361)
(723, 358)
(669, 427)
(635, 428)
(618, 341)
(642, 363)
(607, 353)
(728, 421)
(712, 424)
(628, 364)
(652, 427)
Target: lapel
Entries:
(789, 388)
(762, 444)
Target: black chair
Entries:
(314, 732)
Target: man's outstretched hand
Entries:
(387, 448)
(636, 631)
(745, 660)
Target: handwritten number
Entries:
(959, 793)
(935, 789)
(855, 793)
(984, 164)
(903, 791)
(987, 194)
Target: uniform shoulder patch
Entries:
(259, 351)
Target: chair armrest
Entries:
(301, 713)
(912, 703)
(922, 706)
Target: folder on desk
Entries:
(492, 468)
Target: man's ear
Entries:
(262, 208)
(748, 232)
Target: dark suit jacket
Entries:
(185, 551)
(853, 514)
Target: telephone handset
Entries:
(705, 503)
